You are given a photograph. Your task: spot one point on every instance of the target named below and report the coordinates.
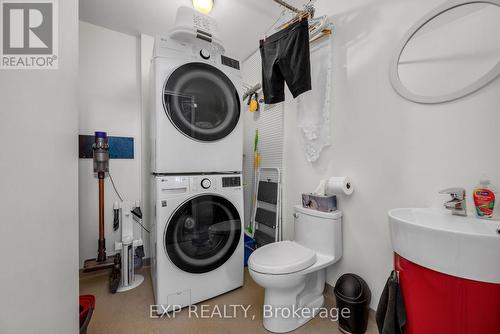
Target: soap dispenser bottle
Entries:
(485, 200)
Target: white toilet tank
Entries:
(319, 231)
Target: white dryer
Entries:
(196, 238)
(196, 90)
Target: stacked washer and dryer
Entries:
(196, 157)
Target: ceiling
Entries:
(241, 22)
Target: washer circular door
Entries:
(202, 233)
(201, 102)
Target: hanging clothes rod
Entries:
(306, 13)
(319, 27)
(287, 6)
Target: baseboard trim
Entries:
(329, 291)
(84, 275)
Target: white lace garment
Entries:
(313, 116)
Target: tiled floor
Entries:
(128, 313)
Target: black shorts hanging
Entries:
(286, 58)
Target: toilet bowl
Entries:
(293, 272)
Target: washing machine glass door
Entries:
(202, 234)
(201, 102)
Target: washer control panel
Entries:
(172, 186)
(204, 183)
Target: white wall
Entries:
(399, 154)
(109, 100)
(146, 53)
(38, 192)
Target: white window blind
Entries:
(270, 123)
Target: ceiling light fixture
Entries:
(203, 6)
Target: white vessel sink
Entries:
(464, 247)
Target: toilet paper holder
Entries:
(335, 186)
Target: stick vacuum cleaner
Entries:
(101, 167)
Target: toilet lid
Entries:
(283, 257)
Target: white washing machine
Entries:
(197, 110)
(196, 238)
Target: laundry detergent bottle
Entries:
(485, 200)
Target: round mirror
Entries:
(452, 52)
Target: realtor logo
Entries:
(29, 34)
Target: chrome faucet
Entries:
(457, 204)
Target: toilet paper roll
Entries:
(339, 185)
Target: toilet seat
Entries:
(284, 257)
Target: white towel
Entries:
(314, 106)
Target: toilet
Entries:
(293, 272)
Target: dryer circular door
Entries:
(202, 233)
(201, 102)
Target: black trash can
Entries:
(352, 293)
